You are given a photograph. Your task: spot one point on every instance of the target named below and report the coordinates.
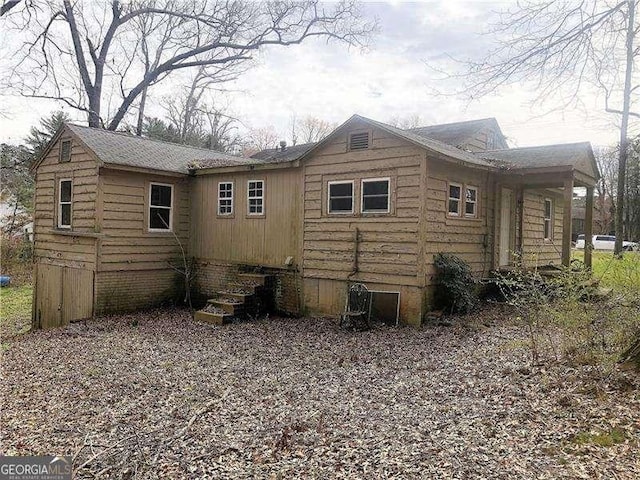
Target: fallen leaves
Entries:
(156, 395)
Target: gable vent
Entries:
(359, 141)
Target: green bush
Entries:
(455, 290)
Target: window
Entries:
(548, 219)
(455, 195)
(375, 195)
(64, 203)
(359, 141)
(255, 197)
(340, 197)
(471, 202)
(225, 198)
(160, 202)
(65, 151)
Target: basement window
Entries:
(375, 195)
(160, 206)
(340, 197)
(471, 202)
(65, 187)
(65, 151)
(455, 196)
(358, 141)
(548, 219)
(225, 198)
(255, 197)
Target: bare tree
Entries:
(565, 47)
(73, 50)
(604, 205)
(313, 129)
(261, 139)
(405, 123)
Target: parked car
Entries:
(606, 242)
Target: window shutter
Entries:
(359, 141)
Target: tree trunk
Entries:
(624, 143)
(143, 101)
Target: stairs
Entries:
(246, 297)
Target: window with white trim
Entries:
(340, 197)
(255, 197)
(548, 219)
(225, 198)
(471, 202)
(160, 207)
(375, 195)
(65, 187)
(455, 196)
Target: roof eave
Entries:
(154, 171)
(247, 168)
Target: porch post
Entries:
(588, 228)
(566, 221)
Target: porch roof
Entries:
(550, 159)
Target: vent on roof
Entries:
(359, 141)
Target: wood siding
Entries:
(471, 239)
(266, 239)
(57, 246)
(388, 244)
(127, 244)
(536, 250)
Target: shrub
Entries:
(455, 287)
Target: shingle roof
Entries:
(277, 155)
(124, 149)
(456, 133)
(430, 143)
(559, 155)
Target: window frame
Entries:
(475, 203)
(374, 212)
(353, 197)
(62, 143)
(230, 198)
(59, 223)
(459, 199)
(546, 219)
(249, 198)
(170, 208)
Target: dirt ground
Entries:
(156, 395)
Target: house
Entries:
(370, 203)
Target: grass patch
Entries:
(601, 439)
(621, 274)
(15, 309)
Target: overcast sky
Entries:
(391, 79)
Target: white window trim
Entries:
(546, 219)
(225, 198)
(353, 194)
(459, 200)
(170, 208)
(475, 210)
(367, 180)
(60, 203)
(255, 214)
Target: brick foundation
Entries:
(123, 291)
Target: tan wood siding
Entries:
(51, 247)
(265, 240)
(537, 250)
(471, 239)
(388, 245)
(127, 243)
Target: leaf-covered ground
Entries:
(155, 395)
